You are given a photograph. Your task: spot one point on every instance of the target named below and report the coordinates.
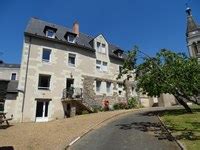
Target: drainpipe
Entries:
(23, 100)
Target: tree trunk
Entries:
(184, 104)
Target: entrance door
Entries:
(69, 87)
(42, 111)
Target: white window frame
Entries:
(49, 30)
(103, 48)
(98, 89)
(15, 76)
(108, 87)
(47, 49)
(44, 88)
(101, 66)
(74, 56)
(104, 67)
(98, 65)
(68, 38)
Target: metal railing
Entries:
(72, 93)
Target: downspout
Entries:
(26, 74)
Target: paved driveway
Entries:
(136, 131)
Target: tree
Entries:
(166, 72)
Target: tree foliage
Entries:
(166, 72)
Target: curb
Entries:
(92, 128)
(177, 141)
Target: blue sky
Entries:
(149, 24)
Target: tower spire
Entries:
(191, 24)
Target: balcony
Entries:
(72, 94)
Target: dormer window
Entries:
(101, 47)
(118, 52)
(71, 38)
(50, 32)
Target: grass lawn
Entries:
(185, 127)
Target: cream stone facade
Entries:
(92, 66)
(64, 72)
(10, 72)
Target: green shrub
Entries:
(132, 103)
(120, 105)
(97, 108)
(84, 112)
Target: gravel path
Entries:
(52, 135)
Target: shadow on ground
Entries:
(154, 128)
(5, 127)
(7, 148)
(192, 133)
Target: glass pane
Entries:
(39, 109)
(13, 76)
(46, 109)
(98, 62)
(46, 54)
(50, 33)
(44, 81)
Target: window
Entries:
(108, 87)
(44, 82)
(98, 47)
(104, 66)
(13, 76)
(119, 54)
(46, 55)
(103, 48)
(101, 65)
(71, 60)
(71, 38)
(98, 86)
(50, 33)
(98, 65)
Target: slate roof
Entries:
(3, 65)
(36, 28)
(12, 86)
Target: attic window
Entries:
(50, 32)
(118, 53)
(101, 47)
(71, 38)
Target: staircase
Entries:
(76, 96)
(86, 106)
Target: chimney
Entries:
(75, 28)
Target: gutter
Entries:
(58, 41)
(70, 44)
(25, 83)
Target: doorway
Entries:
(69, 87)
(42, 111)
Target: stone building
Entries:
(9, 75)
(193, 35)
(64, 71)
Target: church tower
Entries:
(192, 35)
